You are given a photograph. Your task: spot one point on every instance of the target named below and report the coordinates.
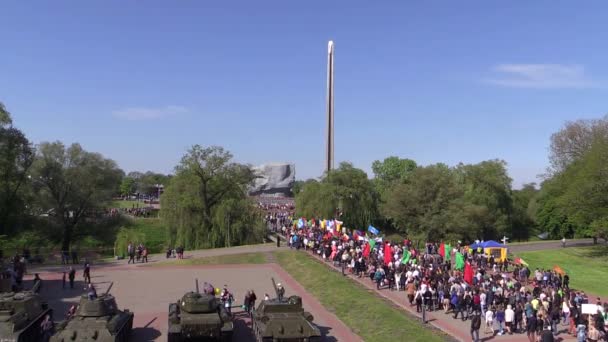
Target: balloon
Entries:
(217, 291)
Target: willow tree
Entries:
(205, 204)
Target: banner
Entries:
(406, 257)
(459, 262)
(373, 230)
(448, 252)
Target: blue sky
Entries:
(434, 81)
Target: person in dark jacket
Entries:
(475, 325)
(547, 335)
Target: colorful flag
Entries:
(388, 254)
(559, 270)
(366, 250)
(300, 223)
(442, 250)
(468, 273)
(520, 261)
(448, 252)
(406, 257)
(459, 265)
(373, 230)
(372, 244)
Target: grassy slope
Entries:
(585, 265)
(245, 258)
(154, 231)
(365, 313)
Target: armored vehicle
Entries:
(199, 316)
(21, 313)
(96, 319)
(283, 319)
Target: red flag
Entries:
(468, 273)
(442, 250)
(388, 254)
(366, 250)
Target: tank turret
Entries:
(282, 318)
(21, 313)
(197, 315)
(96, 319)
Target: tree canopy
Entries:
(206, 205)
(70, 182)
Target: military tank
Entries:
(97, 319)
(283, 319)
(21, 313)
(199, 316)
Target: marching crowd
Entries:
(467, 283)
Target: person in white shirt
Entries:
(489, 322)
(482, 301)
(509, 318)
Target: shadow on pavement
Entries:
(146, 333)
(325, 332)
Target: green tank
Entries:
(283, 319)
(97, 319)
(199, 316)
(21, 313)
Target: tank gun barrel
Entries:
(36, 286)
(276, 290)
(109, 288)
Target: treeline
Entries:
(53, 195)
(474, 201)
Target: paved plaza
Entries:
(147, 291)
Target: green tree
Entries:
(523, 217)
(392, 170)
(127, 186)
(70, 183)
(16, 157)
(574, 140)
(345, 193)
(421, 207)
(205, 203)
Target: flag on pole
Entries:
(300, 223)
(459, 261)
(468, 273)
(520, 261)
(373, 230)
(442, 250)
(388, 254)
(406, 257)
(448, 252)
(372, 244)
(366, 250)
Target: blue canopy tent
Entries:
(491, 247)
(488, 244)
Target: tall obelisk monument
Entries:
(329, 158)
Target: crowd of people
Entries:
(139, 253)
(134, 211)
(510, 298)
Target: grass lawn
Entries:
(365, 313)
(245, 258)
(153, 230)
(585, 265)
